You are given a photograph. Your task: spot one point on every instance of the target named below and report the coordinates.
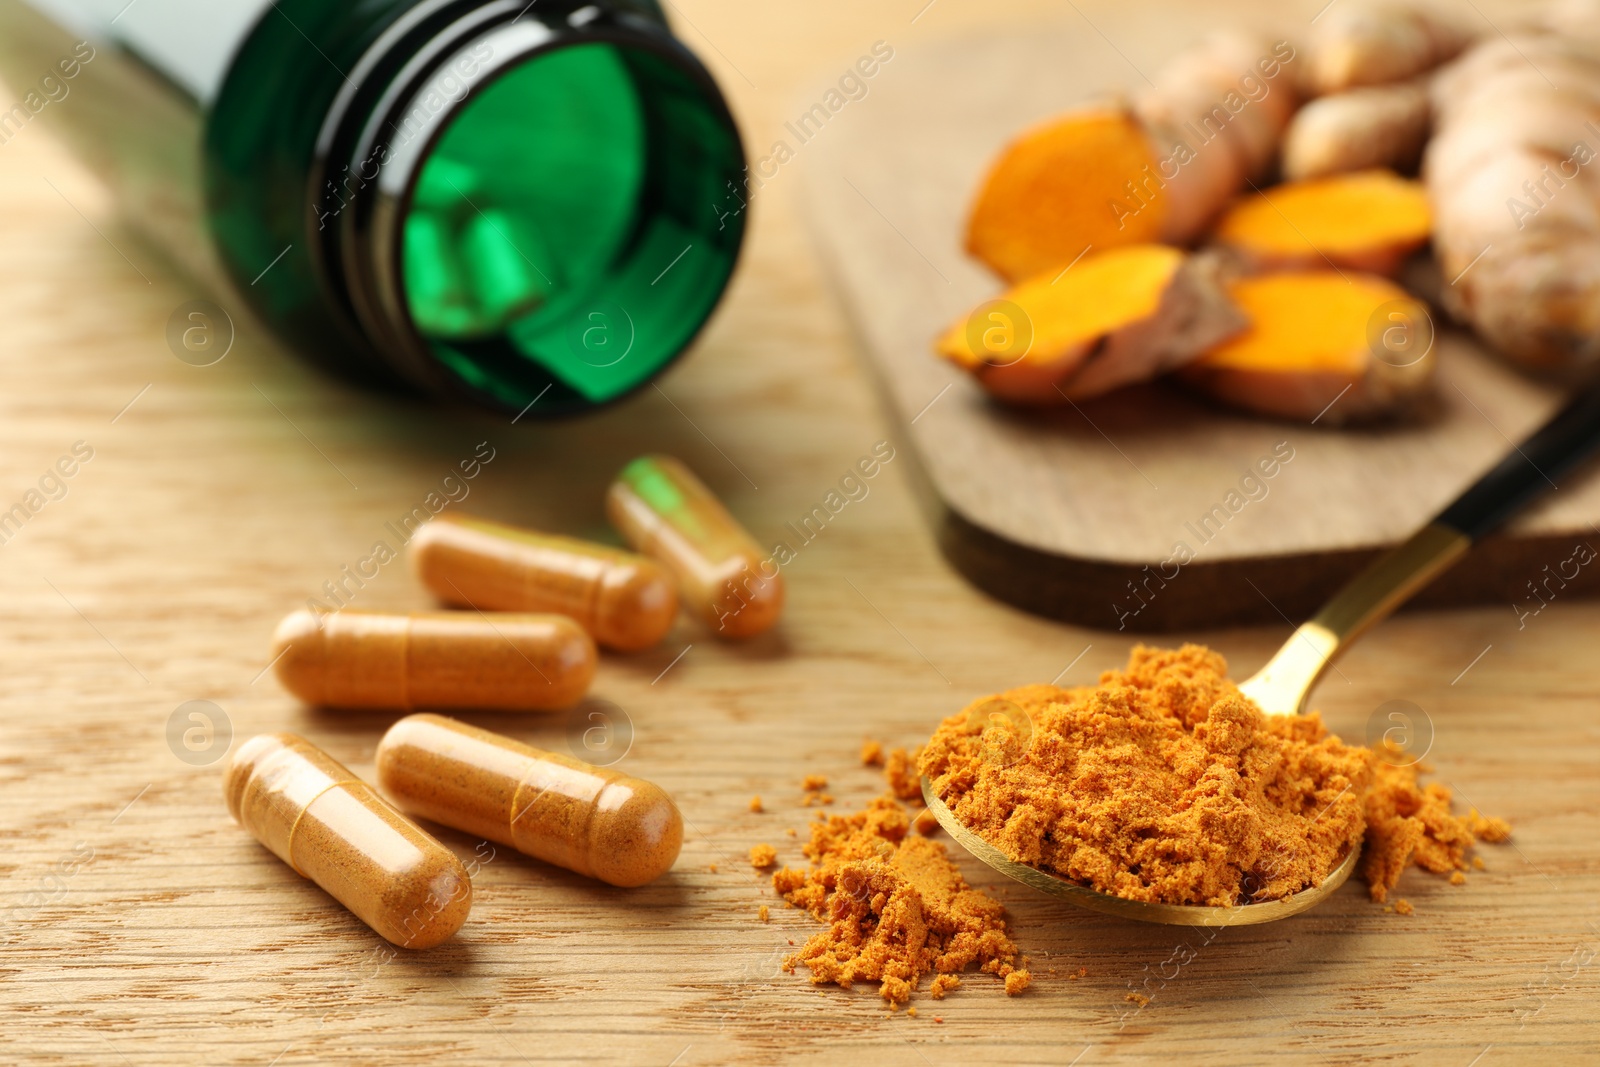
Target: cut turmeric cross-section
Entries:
(1367, 221)
(1321, 346)
(1113, 318)
(1160, 169)
(1060, 189)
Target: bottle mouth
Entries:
(554, 211)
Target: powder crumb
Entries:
(1403, 907)
(1017, 981)
(763, 856)
(814, 782)
(1487, 829)
(755, 805)
(938, 1018)
(943, 984)
(825, 798)
(926, 824)
(1477, 863)
(900, 771)
(1137, 998)
(912, 1011)
(1409, 824)
(871, 753)
(790, 832)
(763, 913)
(808, 800)
(1457, 878)
(894, 905)
(791, 969)
(1083, 972)
(712, 867)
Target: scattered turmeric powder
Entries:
(1411, 824)
(871, 753)
(896, 908)
(755, 805)
(813, 783)
(900, 771)
(1457, 878)
(1403, 907)
(1165, 783)
(912, 1011)
(762, 856)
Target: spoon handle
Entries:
(1571, 436)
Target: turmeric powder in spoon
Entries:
(1165, 784)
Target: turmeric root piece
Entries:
(1111, 175)
(1512, 175)
(1054, 193)
(1375, 126)
(1342, 347)
(1116, 317)
(1379, 42)
(1369, 221)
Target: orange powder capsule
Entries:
(444, 659)
(667, 513)
(588, 819)
(334, 829)
(625, 601)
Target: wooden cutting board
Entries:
(1085, 513)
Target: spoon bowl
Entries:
(1143, 911)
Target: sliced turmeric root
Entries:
(1342, 347)
(1058, 190)
(1367, 221)
(1112, 175)
(1113, 318)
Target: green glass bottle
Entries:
(527, 205)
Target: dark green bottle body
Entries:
(521, 206)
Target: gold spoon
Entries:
(1283, 686)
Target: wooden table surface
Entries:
(144, 927)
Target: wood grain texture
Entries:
(1079, 512)
(143, 927)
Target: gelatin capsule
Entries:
(441, 304)
(667, 513)
(502, 260)
(442, 659)
(625, 601)
(334, 829)
(588, 819)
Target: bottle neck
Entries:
(409, 147)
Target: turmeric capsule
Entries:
(334, 829)
(667, 513)
(444, 659)
(588, 819)
(625, 601)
